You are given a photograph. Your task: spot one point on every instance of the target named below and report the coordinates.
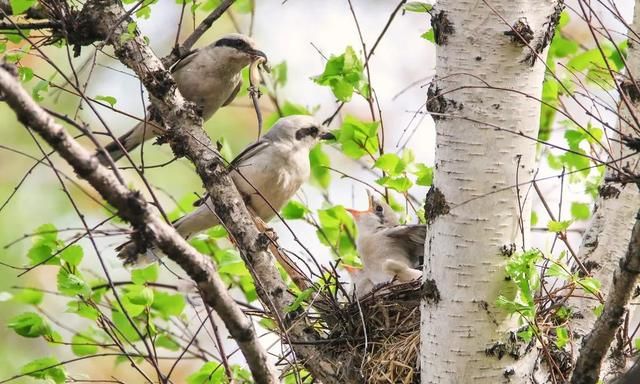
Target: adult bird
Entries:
(267, 173)
(209, 77)
(387, 248)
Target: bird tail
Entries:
(129, 141)
(402, 271)
(192, 223)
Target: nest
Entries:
(377, 337)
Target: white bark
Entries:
(476, 169)
(606, 240)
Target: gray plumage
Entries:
(210, 77)
(267, 173)
(387, 249)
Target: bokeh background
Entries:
(299, 32)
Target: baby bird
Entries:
(387, 249)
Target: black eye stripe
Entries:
(238, 44)
(304, 132)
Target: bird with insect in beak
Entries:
(267, 174)
(388, 250)
(209, 77)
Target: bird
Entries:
(209, 77)
(267, 174)
(388, 250)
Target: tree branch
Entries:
(133, 208)
(596, 343)
(107, 19)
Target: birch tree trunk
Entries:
(606, 240)
(474, 210)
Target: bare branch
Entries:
(597, 342)
(133, 208)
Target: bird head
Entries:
(302, 131)
(240, 48)
(379, 214)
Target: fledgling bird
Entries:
(276, 166)
(387, 249)
(209, 77)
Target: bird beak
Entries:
(327, 136)
(355, 213)
(257, 54)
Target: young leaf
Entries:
(424, 174)
(107, 99)
(72, 254)
(344, 74)
(357, 138)
(294, 210)
(71, 284)
(29, 324)
(562, 337)
(580, 211)
(20, 6)
(46, 368)
(558, 226)
(145, 275)
(417, 6)
(209, 373)
(167, 304)
(429, 35)
(319, 161)
(83, 345)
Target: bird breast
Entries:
(374, 249)
(206, 82)
(277, 174)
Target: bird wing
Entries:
(184, 60)
(250, 151)
(247, 153)
(233, 94)
(411, 238)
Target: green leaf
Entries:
(209, 373)
(46, 368)
(29, 324)
(82, 309)
(338, 230)
(390, 163)
(580, 211)
(168, 304)
(140, 295)
(597, 310)
(39, 253)
(590, 284)
(83, 344)
(534, 218)
(319, 162)
(357, 138)
(21, 6)
(344, 74)
(41, 86)
(125, 329)
(558, 226)
(294, 210)
(424, 174)
(279, 73)
(107, 99)
(72, 254)
(399, 183)
(25, 74)
(165, 341)
(417, 6)
(301, 298)
(429, 35)
(72, 284)
(148, 274)
(562, 337)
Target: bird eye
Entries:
(379, 208)
(304, 132)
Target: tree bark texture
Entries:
(489, 55)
